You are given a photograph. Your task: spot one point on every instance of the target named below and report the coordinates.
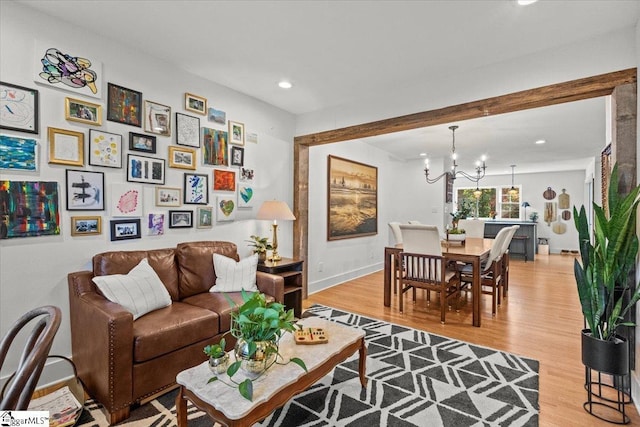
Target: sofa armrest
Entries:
(271, 284)
(101, 343)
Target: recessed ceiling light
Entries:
(285, 84)
(540, 141)
(423, 154)
(526, 2)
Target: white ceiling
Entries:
(336, 52)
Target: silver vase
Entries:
(219, 365)
(260, 360)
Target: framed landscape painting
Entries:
(352, 208)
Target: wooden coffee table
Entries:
(271, 391)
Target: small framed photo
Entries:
(236, 133)
(217, 116)
(77, 110)
(124, 105)
(180, 219)
(205, 217)
(167, 196)
(85, 190)
(182, 158)
(66, 147)
(142, 142)
(237, 156)
(86, 225)
(195, 103)
(157, 118)
(14, 98)
(187, 130)
(145, 169)
(125, 229)
(105, 149)
(196, 189)
(224, 180)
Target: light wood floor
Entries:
(540, 319)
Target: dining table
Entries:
(473, 251)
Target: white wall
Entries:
(33, 271)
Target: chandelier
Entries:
(480, 165)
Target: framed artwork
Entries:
(245, 194)
(142, 142)
(126, 200)
(156, 224)
(18, 108)
(167, 196)
(124, 105)
(182, 158)
(29, 209)
(180, 219)
(187, 130)
(236, 133)
(125, 229)
(237, 156)
(352, 206)
(214, 147)
(224, 180)
(246, 174)
(157, 118)
(217, 116)
(77, 110)
(145, 169)
(225, 209)
(252, 137)
(62, 68)
(85, 190)
(86, 225)
(196, 189)
(18, 153)
(195, 103)
(105, 149)
(204, 217)
(66, 147)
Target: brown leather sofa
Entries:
(121, 361)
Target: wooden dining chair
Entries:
(423, 267)
(490, 272)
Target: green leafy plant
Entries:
(254, 321)
(606, 264)
(533, 216)
(216, 350)
(259, 244)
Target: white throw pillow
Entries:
(232, 276)
(139, 292)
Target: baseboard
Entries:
(55, 371)
(329, 282)
(635, 389)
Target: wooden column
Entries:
(624, 144)
(301, 208)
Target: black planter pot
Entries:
(610, 357)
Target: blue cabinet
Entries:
(524, 242)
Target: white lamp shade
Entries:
(274, 209)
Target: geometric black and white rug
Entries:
(415, 378)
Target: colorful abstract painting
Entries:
(18, 153)
(215, 145)
(29, 209)
(245, 195)
(224, 180)
(225, 209)
(126, 200)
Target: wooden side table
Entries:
(291, 271)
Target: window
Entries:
(494, 202)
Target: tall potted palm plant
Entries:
(602, 277)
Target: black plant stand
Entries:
(607, 396)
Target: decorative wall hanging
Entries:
(549, 194)
(85, 190)
(18, 153)
(126, 200)
(124, 105)
(66, 147)
(550, 212)
(214, 147)
(67, 69)
(180, 219)
(29, 209)
(237, 156)
(559, 227)
(157, 118)
(86, 225)
(205, 217)
(352, 206)
(225, 209)
(182, 158)
(566, 215)
(195, 103)
(196, 189)
(224, 180)
(105, 149)
(187, 130)
(77, 110)
(236, 133)
(245, 194)
(142, 142)
(605, 173)
(217, 116)
(145, 169)
(564, 200)
(246, 174)
(156, 224)
(252, 137)
(167, 196)
(125, 229)
(18, 108)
